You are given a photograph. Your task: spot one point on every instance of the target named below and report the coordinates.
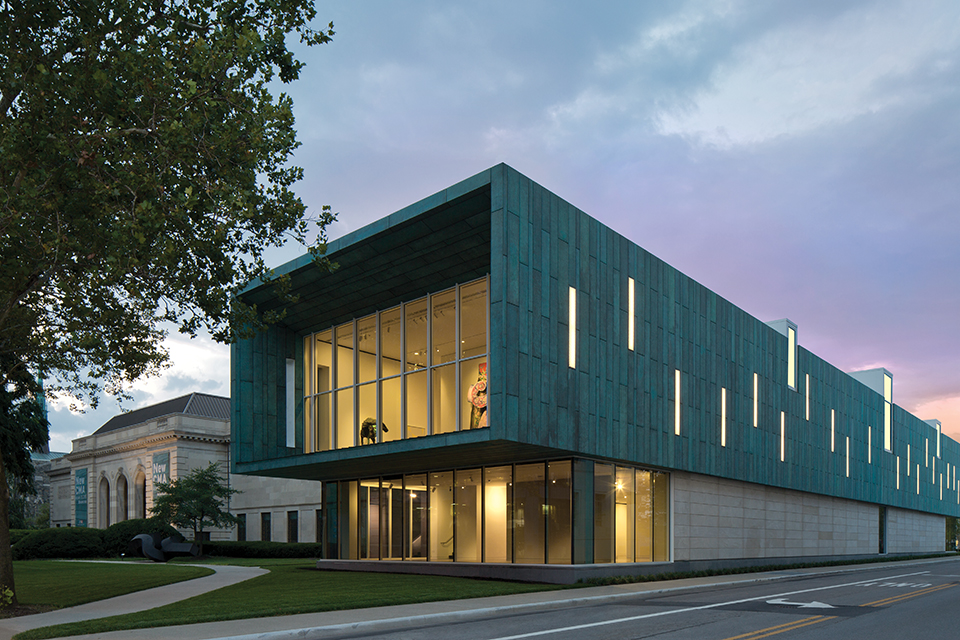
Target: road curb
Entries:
(409, 622)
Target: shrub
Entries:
(72, 542)
(117, 536)
(16, 535)
(259, 549)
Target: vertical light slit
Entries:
(848, 456)
(887, 410)
(791, 357)
(723, 417)
(676, 401)
(572, 323)
(783, 435)
(291, 402)
(807, 390)
(898, 472)
(869, 445)
(756, 399)
(630, 318)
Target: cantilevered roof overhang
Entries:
(428, 246)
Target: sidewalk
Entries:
(332, 623)
(132, 602)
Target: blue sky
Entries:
(800, 159)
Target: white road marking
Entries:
(671, 612)
(802, 605)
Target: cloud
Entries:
(946, 410)
(798, 77)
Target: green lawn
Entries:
(295, 586)
(57, 584)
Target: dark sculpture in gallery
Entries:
(368, 430)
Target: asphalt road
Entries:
(885, 603)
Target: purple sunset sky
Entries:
(800, 159)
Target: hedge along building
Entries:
(492, 376)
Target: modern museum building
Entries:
(491, 382)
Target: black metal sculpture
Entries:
(151, 546)
(368, 430)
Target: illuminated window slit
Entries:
(848, 456)
(783, 435)
(676, 402)
(792, 358)
(723, 417)
(572, 324)
(887, 411)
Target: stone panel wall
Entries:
(278, 497)
(716, 518)
(915, 532)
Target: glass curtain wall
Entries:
(556, 512)
(414, 370)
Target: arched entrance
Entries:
(140, 495)
(122, 498)
(103, 504)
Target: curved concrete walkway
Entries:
(224, 576)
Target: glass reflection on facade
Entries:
(555, 512)
(414, 370)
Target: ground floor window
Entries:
(293, 526)
(553, 512)
(265, 527)
(242, 527)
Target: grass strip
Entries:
(58, 584)
(291, 588)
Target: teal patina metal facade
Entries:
(616, 404)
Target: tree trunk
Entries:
(198, 538)
(6, 553)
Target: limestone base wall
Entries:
(279, 497)
(915, 532)
(718, 519)
(715, 518)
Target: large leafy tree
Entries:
(144, 168)
(23, 426)
(197, 501)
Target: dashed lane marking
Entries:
(780, 628)
(906, 596)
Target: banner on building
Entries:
(161, 467)
(80, 497)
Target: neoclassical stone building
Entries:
(110, 475)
